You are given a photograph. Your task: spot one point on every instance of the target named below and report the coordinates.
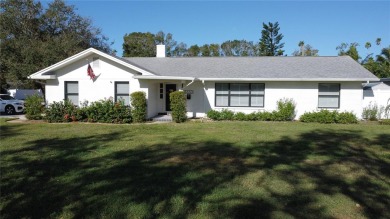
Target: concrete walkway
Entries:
(162, 118)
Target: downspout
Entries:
(204, 94)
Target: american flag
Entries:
(90, 72)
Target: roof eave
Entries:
(290, 79)
(42, 77)
(154, 77)
(78, 56)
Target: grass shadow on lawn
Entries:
(290, 177)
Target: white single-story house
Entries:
(244, 84)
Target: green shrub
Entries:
(286, 110)
(264, 116)
(240, 116)
(326, 116)
(104, 111)
(346, 118)
(323, 116)
(370, 112)
(108, 111)
(34, 107)
(252, 116)
(214, 115)
(226, 114)
(178, 106)
(385, 122)
(138, 104)
(62, 111)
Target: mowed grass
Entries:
(195, 170)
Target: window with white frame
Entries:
(239, 94)
(122, 91)
(72, 91)
(328, 95)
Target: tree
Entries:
(180, 50)
(238, 48)
(305, 50)
(349, 49)
(167, 40)
(381, 66)
(214, 49)
(194, 50)
(205, 50)
(383, 61)
(270, 44)
(378, 41)
(32, 38)
(367, 45)
(139, 44)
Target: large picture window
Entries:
(329, 95)
(239, 94)
(122, 91)
(72, 91)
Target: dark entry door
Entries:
(169, 88)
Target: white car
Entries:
(10, 105)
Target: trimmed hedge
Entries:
(285, 112)
(326, 116)
(178, 106)
(104, 111)
(139, 107)
(34, 107)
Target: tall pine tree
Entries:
(270, 44)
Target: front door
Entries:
(169, 88)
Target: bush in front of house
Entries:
(213, 114)
(326, 116)
(224, 114)
(104, 111)
(62, 111)
(34, 107)
(139, 107)
(285, 112)
(240, 116)
(370, 112)
(346, 118)
(107, 111)
(178, 106)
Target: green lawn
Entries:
(195, 170)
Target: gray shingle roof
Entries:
(255, 67)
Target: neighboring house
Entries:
(245, 84)
(377, 93)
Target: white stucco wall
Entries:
(379, 95)
(107, 74)
(305, 94)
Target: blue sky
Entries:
(322, 24)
